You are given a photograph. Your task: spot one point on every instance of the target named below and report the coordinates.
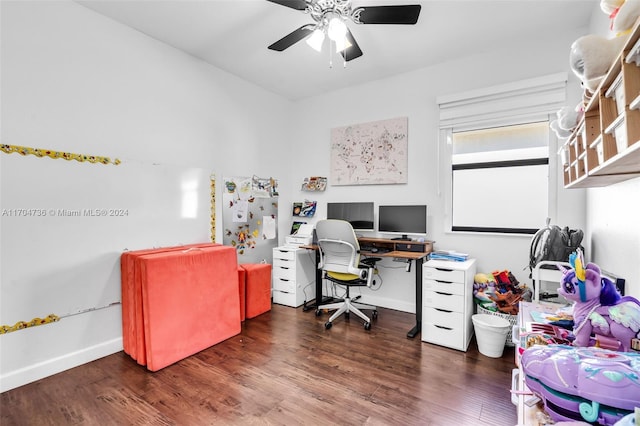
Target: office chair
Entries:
(341, 264)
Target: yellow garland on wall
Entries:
(213, 209)
(39, 152)
(4, 329)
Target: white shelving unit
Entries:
(547, 275)
(605, 147)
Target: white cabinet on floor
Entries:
(447, 302)
(293, 275)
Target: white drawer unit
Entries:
(447, 302)
(293, 274)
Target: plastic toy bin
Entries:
(491, 334)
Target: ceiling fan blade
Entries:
(292, 38)
(353, 51)
(406, 14)
(293, 4)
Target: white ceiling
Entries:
(233, 35)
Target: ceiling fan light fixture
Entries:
(337, 29)
(316, 39)
(331, 17)
(342, 44)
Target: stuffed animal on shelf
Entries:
(599, 308)
(591, 56)
(566, 121)
(623, 14)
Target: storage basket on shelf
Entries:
(513, 320)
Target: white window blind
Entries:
(518, 102)
(496, 119)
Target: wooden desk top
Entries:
(413, 255)
(400, 254)
(390, 240)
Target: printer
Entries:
(302, 237)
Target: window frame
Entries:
(491, 165)
(445, 184)
(521, 102)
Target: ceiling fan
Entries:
(330, 17)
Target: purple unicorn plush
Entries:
(599, 309)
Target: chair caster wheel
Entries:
(374, 314)
(367, 326)
(318, 312)
(328, 325)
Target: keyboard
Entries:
(373, 249)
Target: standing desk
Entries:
(399, 249)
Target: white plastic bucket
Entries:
(491, 334)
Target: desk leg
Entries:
(418, 327)
(318, 300)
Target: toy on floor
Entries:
(599, 309)
(499, 291)
(483, 285)
(583, 384)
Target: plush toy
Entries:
(610, 6)
(591, 56)
(482, 278)
(598, 309)
(566, 121)
(483, 285)
(623, 14)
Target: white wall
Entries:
(75, 81)
(414, 95)
(613, 230)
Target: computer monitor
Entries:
(404, 220)
(358, 214)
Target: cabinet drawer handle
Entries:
(444, 282)
(443, 293)
(283, 279)
(443, 327)
(443, 310)
(444, 269)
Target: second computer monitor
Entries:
(403, 220)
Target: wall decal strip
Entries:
(20, 325)
(39, 152)
(213, 208)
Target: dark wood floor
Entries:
(283, 369)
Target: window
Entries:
(500, 179)
(495, 145)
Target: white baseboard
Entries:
(53, 366)
(383, 302)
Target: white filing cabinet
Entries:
(447, 302)
(293, 272)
